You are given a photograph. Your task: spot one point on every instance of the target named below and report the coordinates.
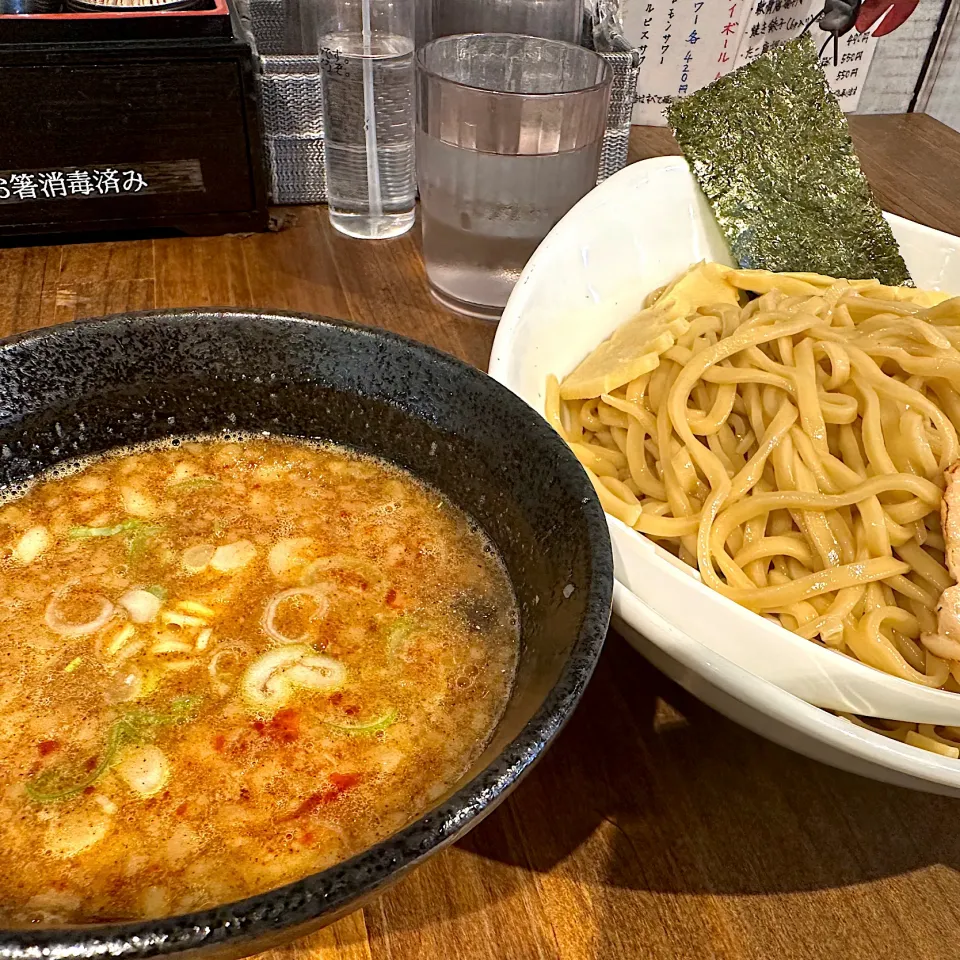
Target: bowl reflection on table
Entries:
(83, 388)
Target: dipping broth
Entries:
(227, 664)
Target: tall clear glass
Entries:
(367, 80)
(509, 134)
(551, 19)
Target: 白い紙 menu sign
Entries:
(686, 44)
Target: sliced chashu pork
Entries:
(945, 642)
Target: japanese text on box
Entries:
(25, 186)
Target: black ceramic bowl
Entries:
(88, 386)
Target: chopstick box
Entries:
(130, 122)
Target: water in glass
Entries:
(484, 214)
(388, 62)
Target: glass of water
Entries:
(509, 134)
(552, 19)
(367, 80)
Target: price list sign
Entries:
(773, 21)
(686, 44)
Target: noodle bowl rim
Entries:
(926, 771)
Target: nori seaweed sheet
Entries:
(772, 152)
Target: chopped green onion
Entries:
(86, 533)
(139, 532)
(139, 538)
(47, 788)
(135, 726)
(365, 729)
(194, 483)
(73, 664)
(399, 632)
(159, 592)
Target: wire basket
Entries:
(293, 112)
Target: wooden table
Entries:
(654, 827)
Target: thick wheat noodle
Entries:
(793, 449)
(816, 584)
(749, 507)
(716, 476)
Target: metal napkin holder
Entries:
(292, 110)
